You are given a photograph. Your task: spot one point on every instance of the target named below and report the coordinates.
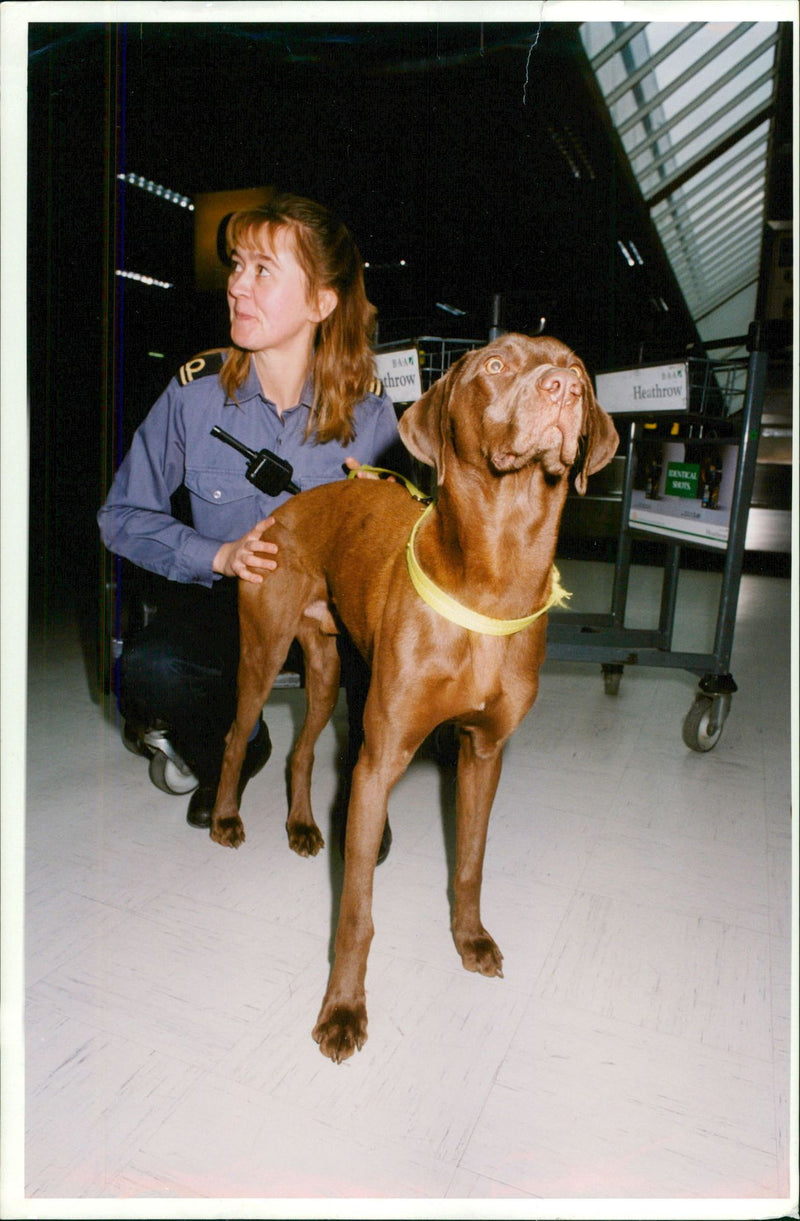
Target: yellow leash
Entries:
(448, 607)
(379, 470)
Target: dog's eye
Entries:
(494, 365)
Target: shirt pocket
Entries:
(322, 467)
(224, 505)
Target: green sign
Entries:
(683, 479)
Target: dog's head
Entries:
(516, 402)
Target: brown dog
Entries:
(503, 428)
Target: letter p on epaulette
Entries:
(201, 366)
(188, 372)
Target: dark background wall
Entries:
(477, 153)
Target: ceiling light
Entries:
(154, 188)
(151, 281)
(385, 266)
(626, 254)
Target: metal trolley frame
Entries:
(729, 391)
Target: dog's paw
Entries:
(481, 954)
(227, 830)
(341, 1031)
(305, 839)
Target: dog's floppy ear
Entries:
(599, 438)
(423, 426)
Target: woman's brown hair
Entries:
(343, 367)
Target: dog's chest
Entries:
(501, 668)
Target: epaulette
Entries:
(205, 364)
(376, 388)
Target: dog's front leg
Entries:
(341, 1027)
(479, 766)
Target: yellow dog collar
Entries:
(462, 615)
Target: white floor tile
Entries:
(225, 1140)
(467, 1185)
(701, 980)
(715, 880)
(604, 1109)
(186, 979)
(93, 1098)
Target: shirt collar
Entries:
(307, 393)
(251, 388)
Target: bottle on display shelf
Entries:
(711, 479)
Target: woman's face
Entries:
(268, 297)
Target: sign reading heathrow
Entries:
(399, 372)
(645, 390)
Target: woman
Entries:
(298, 379)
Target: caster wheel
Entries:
(169, 777)
(702, 727)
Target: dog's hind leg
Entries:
(479, 766)
(263, 648)
(227, 827)
(322, 689)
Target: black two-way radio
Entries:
(266, 470)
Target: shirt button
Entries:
(217, 494)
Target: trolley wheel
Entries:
(702, 727)
(167, 776)
(612, 675)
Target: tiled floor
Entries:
(638, 1045)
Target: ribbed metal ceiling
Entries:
(693, 104)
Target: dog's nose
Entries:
(560, 382)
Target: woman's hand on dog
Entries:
(248, 557)
(245, 557)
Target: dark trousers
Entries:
(180, 671)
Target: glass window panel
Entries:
(752, 96)
(676, 111)
(680, 155)
(717, 68)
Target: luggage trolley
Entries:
(723, 408)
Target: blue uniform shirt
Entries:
(173, 446)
